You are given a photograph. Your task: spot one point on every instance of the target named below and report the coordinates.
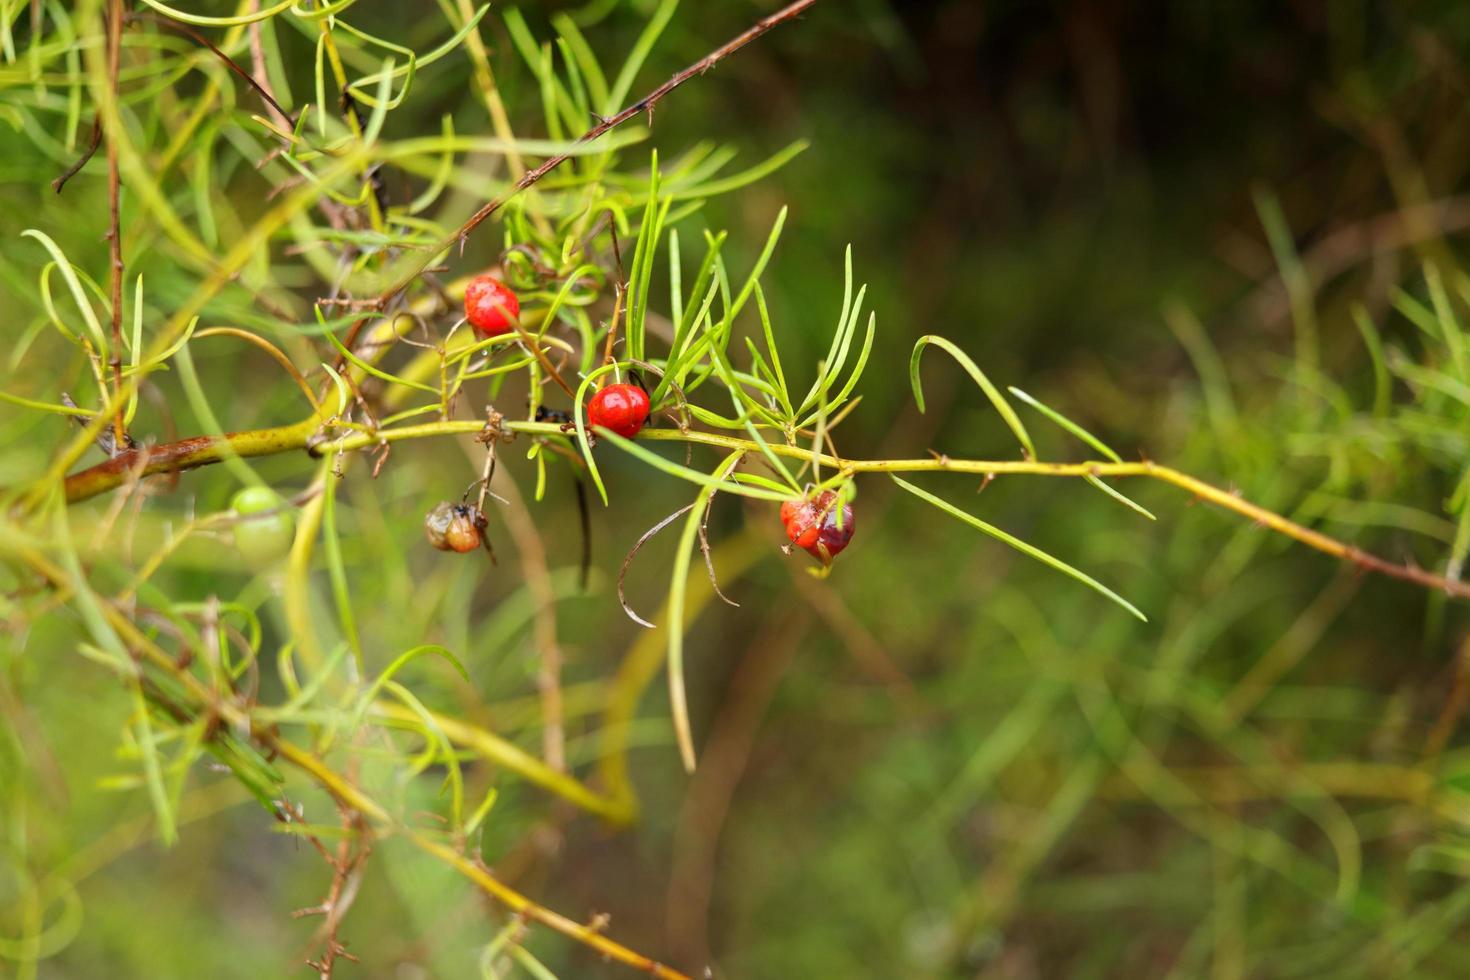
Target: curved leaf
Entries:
(996, 398)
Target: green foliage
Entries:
(1001, 754)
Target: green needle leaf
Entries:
(686, 473)
(678, 586)
(996, 398)
(1067, 424)
(1092, 441)
(1020, 545)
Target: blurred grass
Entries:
(942, 761)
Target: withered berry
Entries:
(819, 525)
(455, 527)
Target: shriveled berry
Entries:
(265, 532)
(819, 525)
(835, 535)
(622, 408)
(490, 306)
(455, 527)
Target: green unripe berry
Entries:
(267, 528)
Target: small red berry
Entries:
(804, 530)
(490, 306)
(818, 525)
(621, 408)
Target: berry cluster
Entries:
(492, 309)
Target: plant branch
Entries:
(204, 450)
(94, 141)
(114, 234)
(342, 789)
(287, 120)
(185, 455)
(645, 104)
(514, 900)
(512, 757)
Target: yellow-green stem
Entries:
(262, 442)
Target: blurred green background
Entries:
(945, 760)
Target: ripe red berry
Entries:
(490, 306)
(818, 525)
(455, 527)
(621, 408)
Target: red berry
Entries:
(490, 306)
(803, 531)
(818, 525)
(621, 408)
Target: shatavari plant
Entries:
(275, 177)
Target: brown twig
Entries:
(87, 154)
(346, 864)
(531, 343)
(260, 77)
(114, 235)
(645, 104)
(620, 292)
(230, 63)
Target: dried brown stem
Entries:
(284, 117)
(585, 516)
(645, 104)
(87, 154)
(346, 864)
(114, 235)
(529, 341)
(637, 546)
(709, 563)
(620, 292)
(260, 77)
